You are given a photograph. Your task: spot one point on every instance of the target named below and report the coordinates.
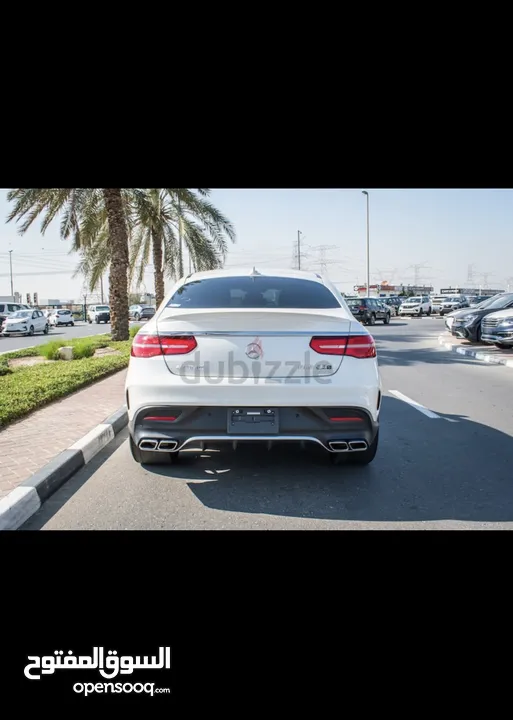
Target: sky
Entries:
(445, 233)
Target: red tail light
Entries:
(145, 346)
(357, 346)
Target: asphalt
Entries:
(444, 462)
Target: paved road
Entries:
(444, 463)
(81, 329)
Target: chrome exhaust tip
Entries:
(338, 446)
(357, 445)
(168, 445)
(148, 445)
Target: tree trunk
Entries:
(159, 273)
(118, 272)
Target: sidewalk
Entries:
(29, 444)
(485, 353)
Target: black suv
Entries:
(468, 324)
(368, 310)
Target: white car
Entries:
(497, 329)
(25, 322)
(62, 317)
(247, 356)
(418, 305)
(452, 303)
(437, 302)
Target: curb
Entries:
(25, 500)
(489, 358)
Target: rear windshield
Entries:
(254, 292)
(102, 308)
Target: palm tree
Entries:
(165, 219)
(159, 219)
(87, 214)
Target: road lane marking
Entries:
(416, 405)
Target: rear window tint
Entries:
(254, 292)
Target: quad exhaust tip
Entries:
(339, 446)
(148, 445)
(358, 445)
(168, 445)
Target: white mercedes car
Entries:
(237, 356)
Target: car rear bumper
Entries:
(353, 430)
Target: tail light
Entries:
(357, 346)
(145, 345)
(362, 307)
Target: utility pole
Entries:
(10, 267)
(299, 249)
(364, 192)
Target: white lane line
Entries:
(416, 405)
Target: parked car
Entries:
(497, 328)
(416, 306)
(141, 312)
(476, 300)
(449, 319)
(98, 314)
(25, 322)
(303, 332)
(468, 324)
(7, 309)
(394, 303)
(453, 302)
(437, 302)
(61, 317)
(369, 310)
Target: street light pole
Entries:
(299, 249)
(10, 266)
(368, 254)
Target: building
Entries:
(469, 291)
(383, 289)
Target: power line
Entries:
(418, 277)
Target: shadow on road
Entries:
(425, 470)
(426, 355)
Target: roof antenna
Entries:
(254, 273)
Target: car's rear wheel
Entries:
(136, 316)
(429, 312)
(386, 319)
(31, 331)
(146, 457)
(46, 329)
(420, 312)
(372, 319)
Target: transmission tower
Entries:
(484, 276)
(509, 283)
(417, 273)
(470, 273)
(323, 260)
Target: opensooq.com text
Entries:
(118, 688)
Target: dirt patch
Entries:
(27, 361)
(106, 351)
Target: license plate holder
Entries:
(253, 421)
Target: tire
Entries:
(386, 319)
(136, 317)
(72, 324)
(372, 319)
(429, 313)
(502, 346)
(31, 331)
(146, 457)
(420, 312)
(46, 329)
(96, 321)
(90, 322)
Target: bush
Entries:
(84, 348)
(134, 330)
(4, 366)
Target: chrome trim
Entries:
(341, 446)
(148, 445)
(167, 445)
(358, 445)
(261, 333)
